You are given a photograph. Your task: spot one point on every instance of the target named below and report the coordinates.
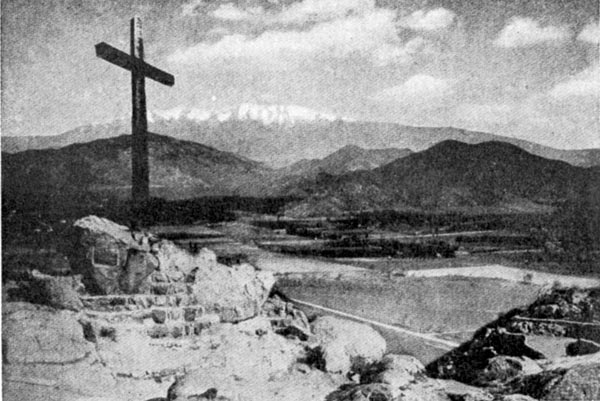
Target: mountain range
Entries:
(281, 135)
(451, 176)
(178, 169)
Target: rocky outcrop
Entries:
(61, 292)
(114, 260)
(580, 382)
(394, 370)
(234, 293)
(107, 255)
(46, 356)
(346, 345)
(38, 334)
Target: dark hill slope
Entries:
(452, 175)
(178, 169)
(282, 145)
(347, 159)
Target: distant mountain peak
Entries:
(266, 114)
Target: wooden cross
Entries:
(134, 62)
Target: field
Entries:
(427, 305)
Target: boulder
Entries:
(458, 391)
(502, 368)
(286, 319)
(139, 266)
(177, 263)
(56, 291)
(580, 382)
(517, 397)
(345, 345)
(395, 370)
(234, 293)
(363, 392)
(38, 334)
(238, 363)
(100, 253)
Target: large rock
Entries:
(56, 291)
(102, 251)
(395, 370)
(177, 263)
(38, 334)
(502, 368)
(346, 345)
(363, 392)
(237, 364)
(235, 293)
(580, 382)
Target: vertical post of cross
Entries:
(140, 190)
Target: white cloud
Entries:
(323, 10)
(297, 13)
(420, 87)
(388, 54)
(526, 32)
(230, 12)
(191, 8)
(584, 84)
(488, 116)
(590, 33)
(431, 20)
(368, 36)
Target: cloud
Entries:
(390, 54)
(192, 8)
(298, 13)
(590, 33)
(584, 84)
(230, 12)
(431, 20)
(323, 10)
(486, 115)
(372, 36)
(526, 32)
(420, 87)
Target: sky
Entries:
(522, 68)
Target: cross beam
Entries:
(134, 62)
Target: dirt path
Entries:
(510, 274)
(430, 339)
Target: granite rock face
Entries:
(101, 254)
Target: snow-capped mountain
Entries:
(266, 114)
(280, 135)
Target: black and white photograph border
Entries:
(329, 200)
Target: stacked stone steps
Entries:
(120, 303)
(158, 316)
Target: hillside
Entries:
(451, 175)
(349, 158)
(280, 138)
(178, 169)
